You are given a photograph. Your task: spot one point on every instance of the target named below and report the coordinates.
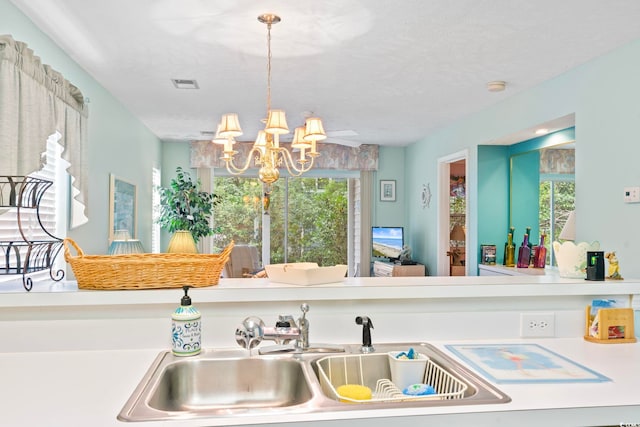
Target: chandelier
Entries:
(266, 151)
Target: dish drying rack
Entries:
(335, 371)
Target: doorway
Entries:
(453, 214)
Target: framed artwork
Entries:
(388, 190)
(122, 209)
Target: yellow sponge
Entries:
(354, 391)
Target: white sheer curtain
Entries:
(36, 101)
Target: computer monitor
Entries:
(387, 242)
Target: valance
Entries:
(35, 102)
(332, 156)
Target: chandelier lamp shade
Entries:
(266, 153)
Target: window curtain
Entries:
(332, 156)
(35, 102)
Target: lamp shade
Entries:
(298, 139)
(569, 230)
(218, 139)
(314, 131)
(457, 233)
(125, 247)
(277, 123)
(230, 126)
(261, 140)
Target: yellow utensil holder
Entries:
(621, 318)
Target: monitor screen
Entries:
(387, 242)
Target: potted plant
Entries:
(186, 211)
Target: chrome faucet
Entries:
(252, 331)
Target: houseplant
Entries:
(186, 209)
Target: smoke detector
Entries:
(496, 86)
(185, 83)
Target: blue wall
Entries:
(607, 149)
(493, 197)
(118, 142)
(498, 190)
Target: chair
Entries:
(243, 262)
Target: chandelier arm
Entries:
(291, 164)
(235, 170)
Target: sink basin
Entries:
(196, 385)
(224, 383)
(211, 384)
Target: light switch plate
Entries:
(632, 194)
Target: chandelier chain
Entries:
(268, 68)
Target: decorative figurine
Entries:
(614, 268)
(405, 254)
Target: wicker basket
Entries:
(145, 271)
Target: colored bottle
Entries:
(532, 248)
(509, 252)
(524, 253)
(541, 254)
(186, 328)
(511, 231)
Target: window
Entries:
(307, 220)
(557, 200)
(53, 207)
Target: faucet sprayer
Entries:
(367, 325)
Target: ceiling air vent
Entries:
(185, 83)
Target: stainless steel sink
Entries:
(220, 383)
(216, 383)
(206, 385)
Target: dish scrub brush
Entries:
(354, 392)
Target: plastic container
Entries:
(186, 333)
(405, 372)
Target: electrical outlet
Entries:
(538, 325)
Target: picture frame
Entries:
(122, 209)
(388, 190)
(488, 256)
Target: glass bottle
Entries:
(532, 248)
(524, 253)
(509, 252)
(511, 231)
(541, 254)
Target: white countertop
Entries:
(117, 334)
(89, 388)
(361, 288)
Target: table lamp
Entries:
(572, 257)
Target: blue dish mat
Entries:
(523, 364)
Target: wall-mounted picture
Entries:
(122, 208)
(388, 190)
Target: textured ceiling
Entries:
(376, 71)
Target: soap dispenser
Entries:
(186, 328)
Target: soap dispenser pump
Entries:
(186, 328)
